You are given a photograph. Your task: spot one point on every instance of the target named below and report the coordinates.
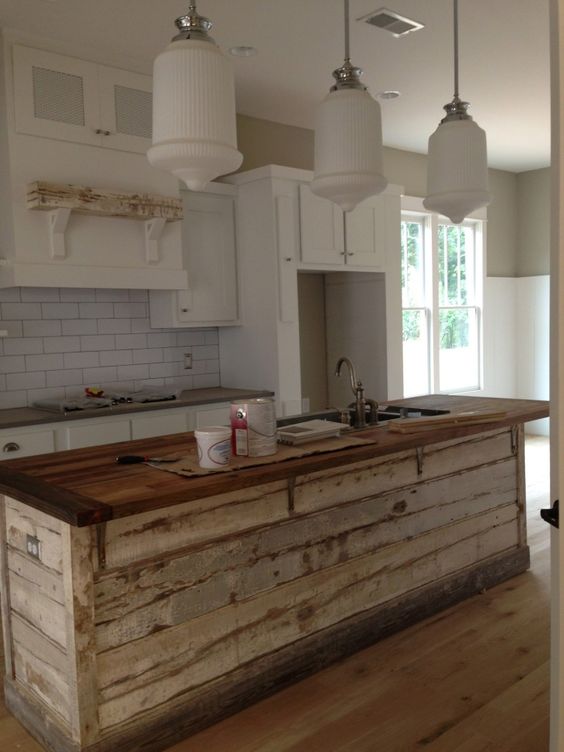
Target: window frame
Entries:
(412, 209)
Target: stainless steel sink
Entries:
(389, 412)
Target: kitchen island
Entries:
(139, 606)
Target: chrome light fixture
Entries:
(348, 138)
(194, 120)
(457, 167)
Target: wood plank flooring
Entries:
(474, 678)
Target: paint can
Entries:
(253, 427)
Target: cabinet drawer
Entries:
(13, 445)
(159, 425)
(94, 434)
(217, 416)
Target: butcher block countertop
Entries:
(85, 486)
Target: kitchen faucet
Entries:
(358, 391)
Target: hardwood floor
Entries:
(474, 678)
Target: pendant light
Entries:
(348, 138)
(194, 121)
(457, 169)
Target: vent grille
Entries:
(134, 111)
(58, 96)
(391, 21)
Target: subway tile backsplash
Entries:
(61, 340)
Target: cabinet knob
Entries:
(288, 258)
(184, 310)
(351, 253)
(102, 132)
(11, 446)
(343, 253)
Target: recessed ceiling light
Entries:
(243, 51)
(390, 94)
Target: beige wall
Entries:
(265, 142)
(533, 224)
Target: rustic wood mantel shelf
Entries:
(61, 200)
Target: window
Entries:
(442, 282)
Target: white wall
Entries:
(516, 340)
(532, 333)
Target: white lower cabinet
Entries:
(108, 429)
(93, 433)
(216, 416)
(25, 442)
(159, 424)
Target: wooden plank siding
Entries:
(164, 613)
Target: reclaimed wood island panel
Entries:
(158, 604)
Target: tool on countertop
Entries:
(136, 459)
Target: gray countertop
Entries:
(29, 416)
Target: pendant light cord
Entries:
(347, 32)
(456, 49)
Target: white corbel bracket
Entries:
(58, 222)
(153, 231)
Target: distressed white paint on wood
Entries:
(103, 203)
(146, 535)
(145, 673)
(41, 678)
(386, 473)
(166, 593)
(5, 593)
(78, 574)
(48, 581)
(38, 609)
(22, 520)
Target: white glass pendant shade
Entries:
(348, 148)
(457, 169)
(194, 120)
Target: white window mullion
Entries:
(433, 245)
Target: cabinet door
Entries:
(213, 416)
(208, 241)
(366, 234)
(321, 229)
(158, 424)
(14, 443)
(126, 109)
(56, 96)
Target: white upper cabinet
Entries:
(79, 131)
(321, 229)
(209, 251)
(74, 100)
(126, 109)
(360, 238)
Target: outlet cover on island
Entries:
(187, 361)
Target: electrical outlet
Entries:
(33, 547)
(187, 361)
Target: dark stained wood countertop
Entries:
(86, 486)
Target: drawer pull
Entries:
(11, 446)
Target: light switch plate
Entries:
(187, 361)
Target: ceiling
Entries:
(504, 58)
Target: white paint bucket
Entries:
(214, 446)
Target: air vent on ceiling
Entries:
(391, 21)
